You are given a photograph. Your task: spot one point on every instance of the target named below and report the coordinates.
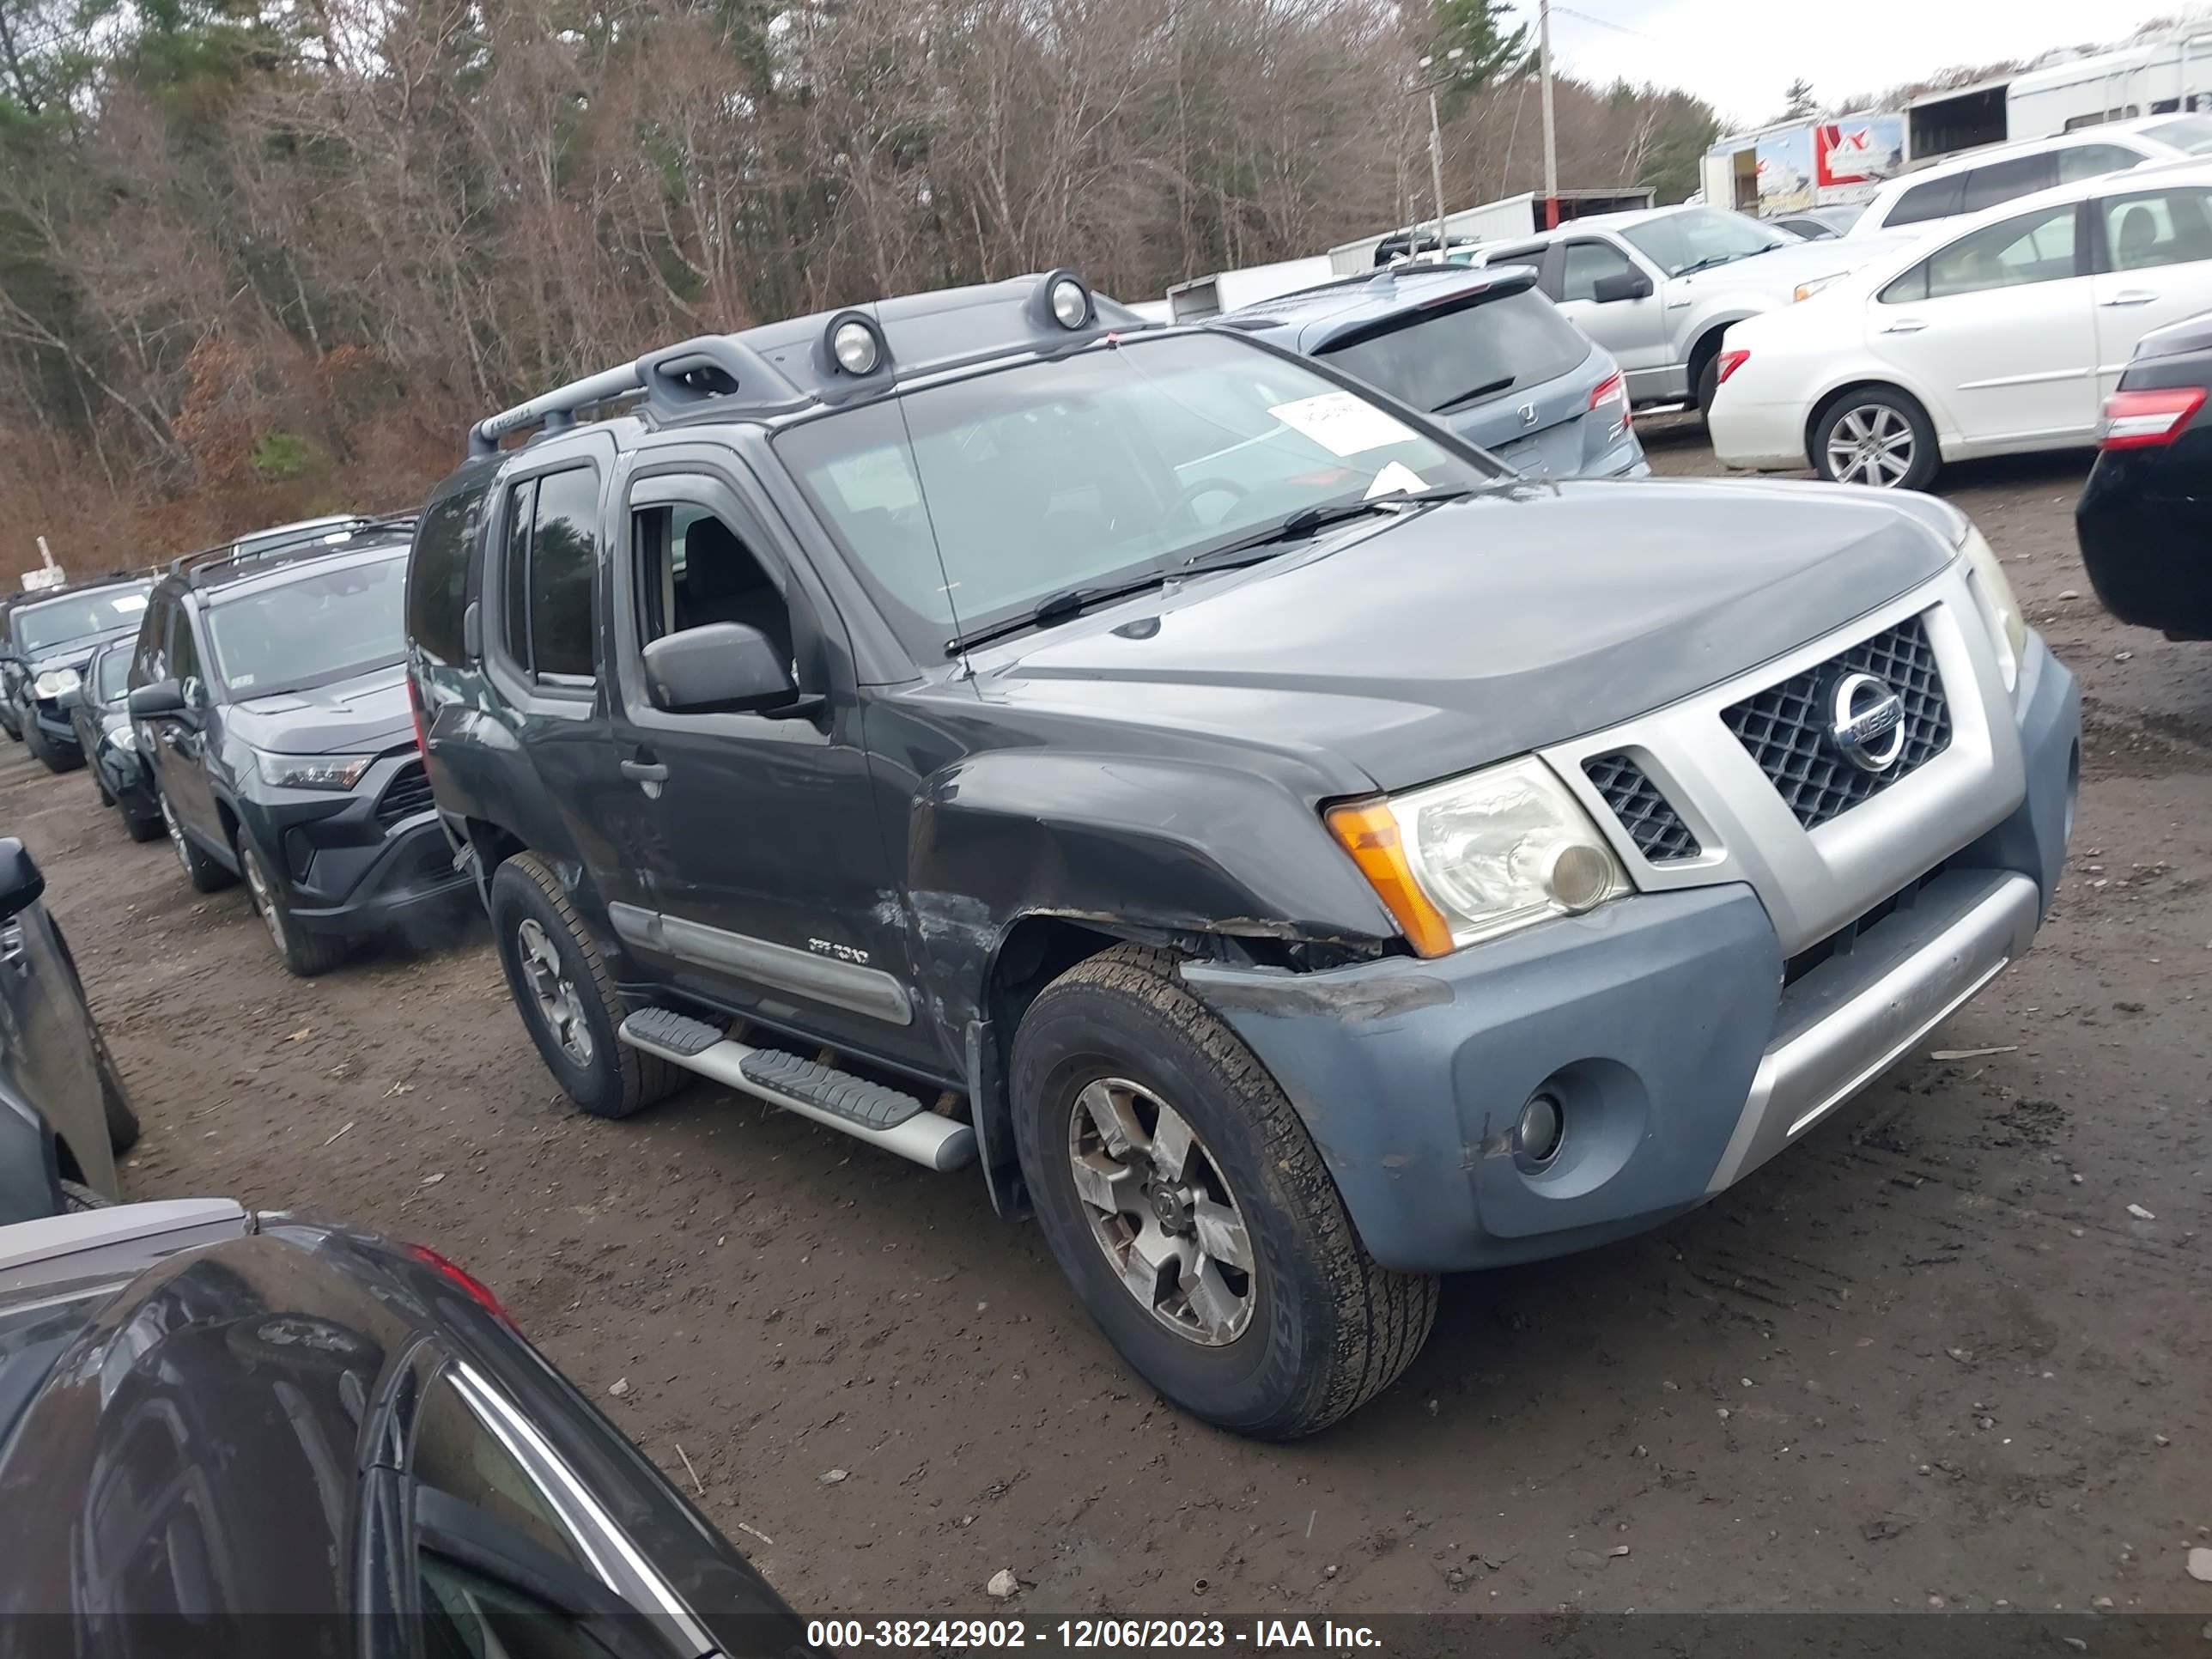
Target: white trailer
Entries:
(2165, 76)
(1224, 290)
(1490, 222)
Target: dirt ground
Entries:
(1930, 1353)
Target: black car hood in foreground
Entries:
(1484, 629)
(363, 715)
(76, 653)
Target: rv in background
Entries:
(1514, 216)
(1826, 160)
(1225, 290)
(2166, 75)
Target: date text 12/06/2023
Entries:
(1092, 1634)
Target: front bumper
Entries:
(373, 859)
(54, 725)
(1686, 1045)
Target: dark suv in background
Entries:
(49, 639)
(100, 711)
(1483, 352)
(269, 700)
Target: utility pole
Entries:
(1551, 135)
(1450, 72)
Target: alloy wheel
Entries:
(1161, 1211)
(1872, 445)
(257, 887)
(553, 993)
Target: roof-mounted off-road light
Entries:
(1062, 299)
(856, 345)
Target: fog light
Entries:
(1536, 1137)
(1070, 305)
(854, 343)
(1582, 877)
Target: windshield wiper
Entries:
(1311, 520)
(1056, 608)
(1484, 390)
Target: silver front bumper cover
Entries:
(1848, 1020)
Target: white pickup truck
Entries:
(1659, 287)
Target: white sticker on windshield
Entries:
(130, 602)
(1341, 424)
(1394, 477)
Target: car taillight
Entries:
(1731, 362)
(462, 1280)
(1612, 389)
(2144, 420)
(415, 708)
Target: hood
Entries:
(1786, 267)
(1484, 629)
(76, 653)
(360, 715)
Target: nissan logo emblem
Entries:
(1527, 414)
(1866, 723)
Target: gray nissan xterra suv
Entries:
(1291, 855)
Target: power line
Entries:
(1618, 28)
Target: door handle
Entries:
(644, 771)
(2130, 296)
(1905, 325)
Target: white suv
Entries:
(1984, 177)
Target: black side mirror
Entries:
(20, 884)
(722, 666)
(1620, 285)
(152, 702)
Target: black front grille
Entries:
(1652, 822)
(408, 793)
(1785, 727)
(1840, 942)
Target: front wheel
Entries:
(1185, 1201)
(206, 874)
(305, 955)
(567, 998)
(53, 759)
(1877, 437)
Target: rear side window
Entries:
(551, 575)
(438, 570)
(1936, 199)
(2004, 181)
(1446, 360)
(2158, 228)
(2081, 162)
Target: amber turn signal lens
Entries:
(1367, 831)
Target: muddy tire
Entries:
(566, 997)
(207, 875)
(1149, 1134)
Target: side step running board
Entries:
(867, 1111)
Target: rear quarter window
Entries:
(438, 568)
(1938, 198)
(1446, 359)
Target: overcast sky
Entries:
(1739, 56)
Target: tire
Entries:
(304, 954)
(100, 787)
(53, 759)
(1709, 385)
(206, 875)
(1868, 424)
(76, 1196)
(561, 989)
(144, 829)
(1323, 1328)
(114, 1100)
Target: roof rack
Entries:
(675, 378)
(312, 536)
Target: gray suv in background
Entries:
(1483, 352)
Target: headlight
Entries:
(314, 771)
(120, 732)
(1480, 855)
(55, 681)
(1807, 290)
(2008, 628)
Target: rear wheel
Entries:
(1708, 384)
(150, 828)
(1183, 1199)
(114, 1099)
(566, 997)
(76, 1196)
(305, 954)
(206, 874)
(1878, 437)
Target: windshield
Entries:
(1118, 461)
(110, 673)
(1442, 361)
(326, 624)
(54, 623)
(1698, 238)
(2192, 134)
